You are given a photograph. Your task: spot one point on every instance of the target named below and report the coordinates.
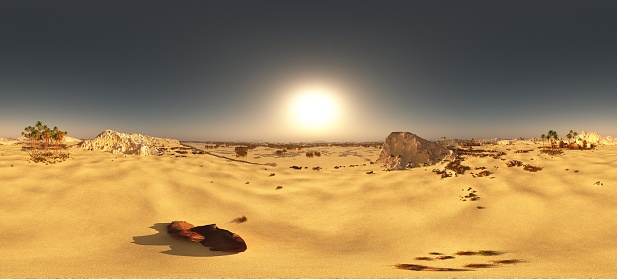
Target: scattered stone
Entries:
(424, 259)
(279, 187)
(272, 174)
(531, 168)
(514, 163)
(481, 253)
(445, 257)
(471, 195)
(466, 253)
(513, 261)
(295, 167)
(443, 173)
(239, 220)
(317, 168)
(416, 267)
(484, 173)
(370, 172)
(597, 182)
(479, 265)
(457, 167)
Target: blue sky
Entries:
(226, 70)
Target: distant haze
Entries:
(224, 70)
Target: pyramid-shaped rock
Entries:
(403, 149)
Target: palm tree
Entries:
(553, 137)
(543, 138)
(569, 136)
(54, 136)
(46, 133)
(27, 133)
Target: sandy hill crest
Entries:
(118, 142)
(403, 149)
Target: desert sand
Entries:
(100, 214)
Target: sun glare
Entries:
(314, 108)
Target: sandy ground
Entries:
(104, 215)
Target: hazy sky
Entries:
(228, 70)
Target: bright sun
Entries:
(314, 107)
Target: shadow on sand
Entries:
(176, 247)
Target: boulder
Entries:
(404, 149)
(219, 239)
(143, 150)
(209, 235)
(176, 226)
(394, 163)
(181, 230)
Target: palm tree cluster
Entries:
(552, 138)
(40, 134)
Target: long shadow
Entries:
(176, 247)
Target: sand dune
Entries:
(104, 215)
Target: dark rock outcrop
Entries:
(209, 235)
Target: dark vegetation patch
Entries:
(416, 267)
(481, 253)
(512, 261)
(480, 265)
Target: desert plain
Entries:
(99, 214)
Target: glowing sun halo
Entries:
(314, 108)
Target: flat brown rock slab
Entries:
(181, 230)
(209, 235)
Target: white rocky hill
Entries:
(8, 141)
(595, 139)
(122, 143)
